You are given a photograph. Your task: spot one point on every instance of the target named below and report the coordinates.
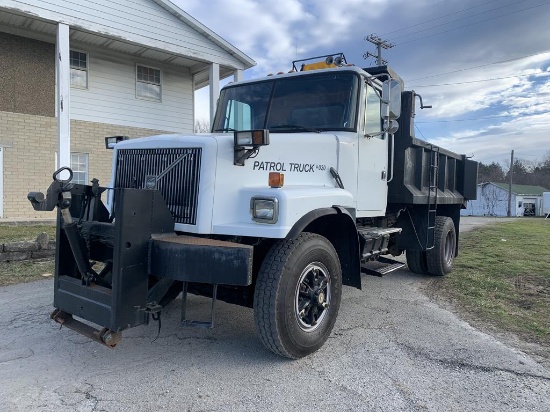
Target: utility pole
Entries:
(510, 184)
(380, 44)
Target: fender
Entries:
(305, 220)
(343, 237)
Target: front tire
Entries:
(297, 295)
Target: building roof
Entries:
(170, 36)
(522, 190)
(201, 28)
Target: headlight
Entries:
(264, 210)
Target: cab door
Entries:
(372, 187)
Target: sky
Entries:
(483, 65)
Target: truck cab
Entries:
(317, 121)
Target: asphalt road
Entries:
(392, 349)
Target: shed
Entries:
(492, 200)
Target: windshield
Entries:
(316, 102)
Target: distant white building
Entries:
(492, 200)
(546, 204)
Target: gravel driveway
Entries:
(392, 349)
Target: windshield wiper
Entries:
(227, 129)
(295, 127)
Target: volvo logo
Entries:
(150, 182)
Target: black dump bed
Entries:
(416, 162)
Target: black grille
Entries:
(174, 172)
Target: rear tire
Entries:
(297, 295)
(417, 261)
(440, 258)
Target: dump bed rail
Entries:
(416, 161)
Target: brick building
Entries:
(124, 67)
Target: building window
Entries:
(148, 83)
(79, 166)
(79, 69)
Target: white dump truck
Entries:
(306, 178)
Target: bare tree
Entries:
(202, 126)
(490, 173)
(526, 172)
(542, 171)
(492, 197)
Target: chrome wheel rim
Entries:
(449, 247)
(312, 297)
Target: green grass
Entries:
(502, 276)
(24, 271)
(9, 233)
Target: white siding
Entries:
(111, 96)
(137, 21)
(491, 201)
(546, 203)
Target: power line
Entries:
(462, 18)
(486, 118)
(439, 18)
(472, 24)
(419, 131)
(481, 65)
(467, 120)
(488, 158)
(482, 80)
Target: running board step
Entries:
(374, 240)
(383, 270)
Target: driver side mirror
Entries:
(391, 100)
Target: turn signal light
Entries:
(276, 179)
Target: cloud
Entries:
(510, 112)
(275, 33)
(522, 102)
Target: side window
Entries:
(79, 69)
(238, 116)
(148, 84)
(373, 122)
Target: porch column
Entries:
(63, 91)
(238, 120)
(214, 83)
(237, 75)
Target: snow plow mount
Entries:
(117, 270)
(103, 336)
